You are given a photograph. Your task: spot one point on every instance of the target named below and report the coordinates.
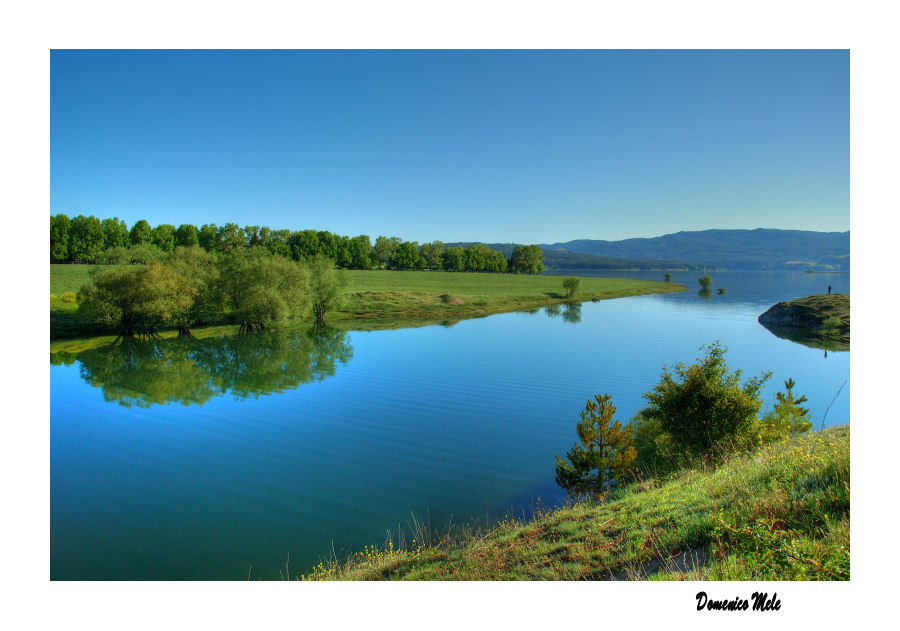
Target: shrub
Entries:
(705, 281)
(605, 455)
(570, 284)
(704, 406)
(654, 446)
(831, 326)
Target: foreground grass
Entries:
(376, 299)
(780, 514)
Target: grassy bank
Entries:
(385, 296)
(780, 514)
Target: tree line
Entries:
(87, 239)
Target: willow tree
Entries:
(326, 286)
(196, 274)
(137, 300)
(261, 289)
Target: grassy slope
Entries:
(783, 513)
(390, 297)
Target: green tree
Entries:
(786, 417)
(252, 233)
(208, 237)
(605, 454)
(526, 260)
(144, 254)
(139, 300)
(59, 238)
(187, 236)
(667, 276)
(361, 252)
(343, 256)
(279, 243)
(328, 245)
(326, 286)
(385, 248)
(163, 237)
(496, 261)
(115, 233)
(407, 257)
(262, 290)
(304, 244)
(141, 232)
(704, 406)
(196, 274)
(454, 259)
(705, 281)
(232, 237)
(534, 260)
(85, 239)
(570, 284)
(432, 252)
(476, 257)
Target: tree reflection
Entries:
(192, 371)
(572, 312)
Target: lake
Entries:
(201, 459)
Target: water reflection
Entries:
(570, 311)
(811, 340)
(193, 371)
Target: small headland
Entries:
(823, 318)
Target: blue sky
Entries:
(494, 146)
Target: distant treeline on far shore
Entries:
(87, 239)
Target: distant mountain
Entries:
(562, 259)
(760, 249)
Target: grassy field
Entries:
(68, 278)
(378, 299)
(780, 514)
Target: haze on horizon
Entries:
(494, 146)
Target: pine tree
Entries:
(605, 455)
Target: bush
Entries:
(705, 281)
(606, 453)
(704, 406)
(831, 326)
(570, 284)
(655, 447)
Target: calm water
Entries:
(197, 460)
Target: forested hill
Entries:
(760, 249)
(561, 259)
